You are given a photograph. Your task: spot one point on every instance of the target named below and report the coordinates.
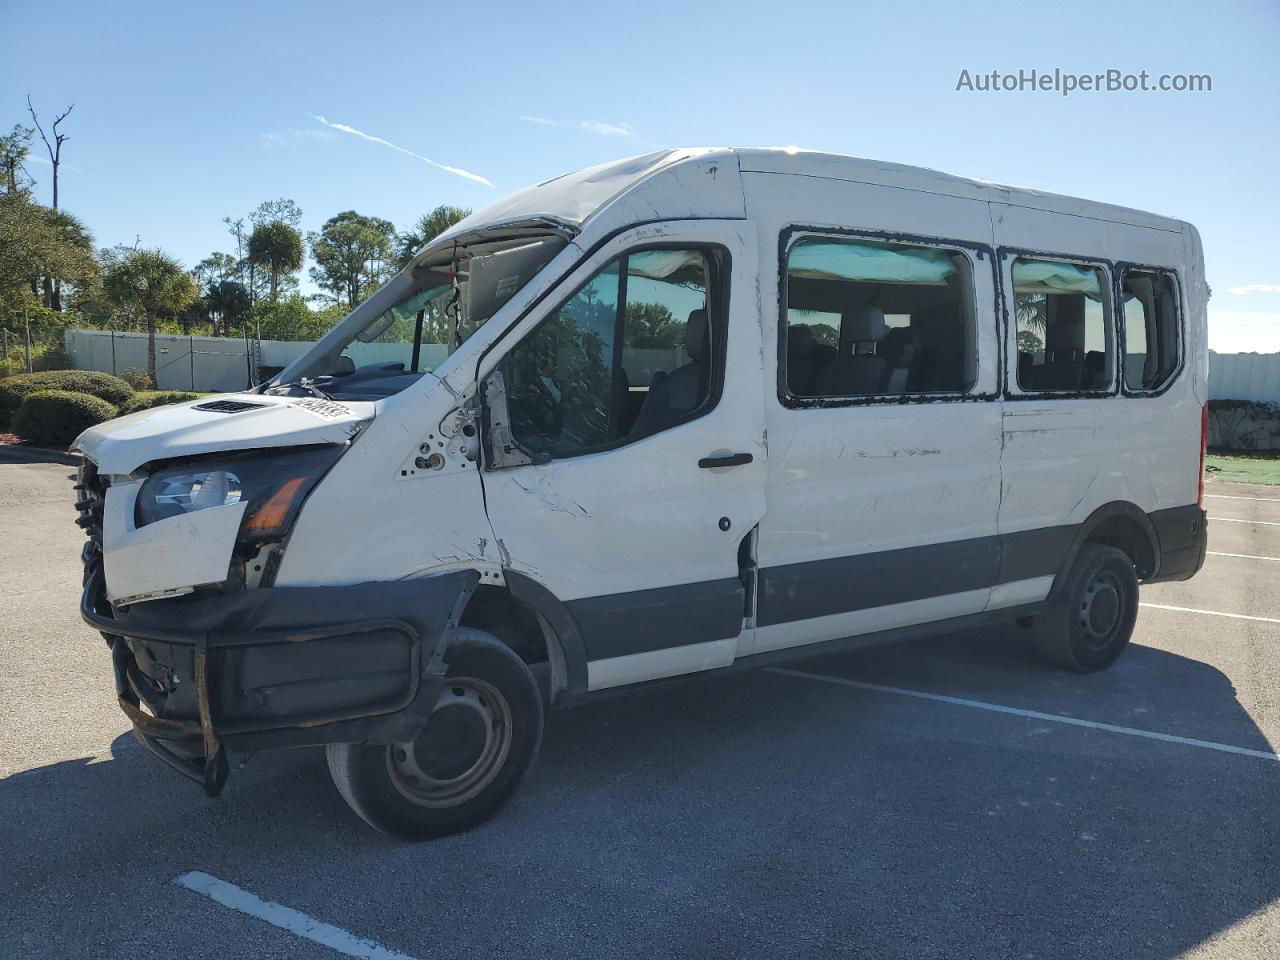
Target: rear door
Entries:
(628, 465)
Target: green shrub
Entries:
(57, 417)
(102, 385)
(138, 379)
(146, 399)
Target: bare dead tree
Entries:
(52, 290)
(55, 148)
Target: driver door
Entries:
(625, 462)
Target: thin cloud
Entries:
(608, 129)
(593, 126)
(1256, 288)
(456, 171)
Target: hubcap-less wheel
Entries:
(1100, 610)
(461, 749)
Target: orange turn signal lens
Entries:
(271, 516)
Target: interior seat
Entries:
(898, 352)
(801, 360)
(682, 390)
(853, 373)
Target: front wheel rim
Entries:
(460, 751)
(1101, 610)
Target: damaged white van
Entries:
(689, 411)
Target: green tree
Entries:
(1029, 342)
(278, 247)
(13, 157)
(154, 283)
(291, 319)
(352, 254)
(215, 268)
(652, 325)
(427, 228)
(37, 242)
(283, 210)
(74, 234)
(226, 302)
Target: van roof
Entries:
(574, 198)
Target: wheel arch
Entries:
(1120, 524)
(531, 620)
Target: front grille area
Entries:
(91, 496)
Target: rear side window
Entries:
(633, 351)
(1061, 319)
(869, 319)
(1150, 310)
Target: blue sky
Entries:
(186, 113)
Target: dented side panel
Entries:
(1066, 455)
(852, 478)
(640, 541)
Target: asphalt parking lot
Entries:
(946, 798)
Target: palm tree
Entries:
(74, 234)
(229, 301)
(278, 247)
(428, 227)
(153, 282)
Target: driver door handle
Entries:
(726, 460)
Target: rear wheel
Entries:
(1091, 619)
(479, 741)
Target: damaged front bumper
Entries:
(202, 676)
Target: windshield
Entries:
(444, 305)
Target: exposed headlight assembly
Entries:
(272, 484)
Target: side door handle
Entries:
(727, 460)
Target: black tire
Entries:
(1090, 620)
(481, 739)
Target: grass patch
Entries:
(1244, 466)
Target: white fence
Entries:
(1244, 376)
(217, 364)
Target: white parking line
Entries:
(286, 918)
(1265, 523)
(1211, 613)
(1031, 714)
(1224, 496)
(1241, 556)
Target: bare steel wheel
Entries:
(465, 763)
(1088, 623)
(1100, 610)
(461, 749)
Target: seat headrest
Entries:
(1065, 329)
(800, 342)
(696, 334)
(862, 325)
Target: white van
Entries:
(688, 411)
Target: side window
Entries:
(630, 353)
(1150, 310)
(866, 319)
(1061, 321)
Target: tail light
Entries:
(1204, 444)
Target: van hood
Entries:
(231, 422)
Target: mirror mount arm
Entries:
(501, 448)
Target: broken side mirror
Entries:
(501, 448)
